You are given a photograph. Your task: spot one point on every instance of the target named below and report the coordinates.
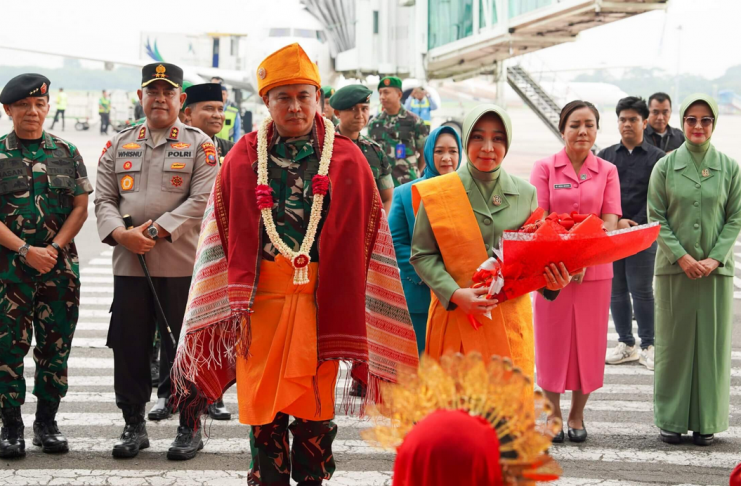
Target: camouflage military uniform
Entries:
(37, 185)
(401, 136)
(291, 165)
(378, 161)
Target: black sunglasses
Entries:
(705, 121)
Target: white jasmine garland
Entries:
(299, 259)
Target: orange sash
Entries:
(509, 332)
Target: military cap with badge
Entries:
(389, 82)
(162, 71)
(349, 96)
(28, 85)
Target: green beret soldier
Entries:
(326, 93)
(43, 204)
(352, 105)
(401, 134)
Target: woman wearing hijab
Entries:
(460, 220)
(571, 333)
(695, 195)
(442, 152)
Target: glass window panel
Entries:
(519, 7)
(304, 33)
(487, 7)
(280, 32)
(449, 21)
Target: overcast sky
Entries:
(707, 44)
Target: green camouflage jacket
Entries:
(401, 136)
(378, 161)
(37, 186)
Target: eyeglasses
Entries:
(705, 121)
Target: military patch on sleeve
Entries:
(174, 133)
(105, 149)
(142, 133)
(210, 151)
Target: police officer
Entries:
(232, 120)
(351, 105)
(326, 108)
(204, 109)
(161, 174)
(43, 204)
(401, 134)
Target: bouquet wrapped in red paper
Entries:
(577, 240)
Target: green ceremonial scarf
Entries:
(698, 151)
(485, 181)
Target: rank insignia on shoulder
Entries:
(705, 173)
(210, 151)
(142, 133)
(131, 146)
(105, 149)
(127, 183)
(179, 145)
(174, 133)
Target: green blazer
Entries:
(519, 199)
(700, 215)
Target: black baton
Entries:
(161, 319)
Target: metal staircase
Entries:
(535, 97)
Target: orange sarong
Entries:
(509, 332)
(281, 372)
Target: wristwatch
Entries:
(153, 233)
(56, 247)
(23, 250)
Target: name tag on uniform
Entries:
(401, 151)
(562, 186)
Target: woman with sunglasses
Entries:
(695, 195)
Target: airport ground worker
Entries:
(43, 203)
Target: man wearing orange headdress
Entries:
(295, 272)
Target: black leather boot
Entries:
(218, 411)
(46, 434)
(12, 443)
(161, 410)
(134, 437)
(186, 444)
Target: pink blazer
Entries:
(596, 190)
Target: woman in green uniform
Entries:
(695, 194)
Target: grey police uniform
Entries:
(169, 183)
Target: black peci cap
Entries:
(25, 86)
(203, 92)
(162, 71)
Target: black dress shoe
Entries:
(670, 437)
(186, 444)
(160, 411)
(558, 438)
(134, 436)
(46, 434)
(12, 443)
(218, 411)
(578, 435)
(702, 439)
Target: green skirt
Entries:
(692, 375)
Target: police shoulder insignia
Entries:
(210, 151)
(105, 149)
(174, 133)
(142, 133)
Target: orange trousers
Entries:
(281, 374)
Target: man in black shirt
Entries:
(633, 276)
(658, 132)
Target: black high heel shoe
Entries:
(578, 435)
(558, 438)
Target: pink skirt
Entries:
(571, 337)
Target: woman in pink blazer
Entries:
(571, 332)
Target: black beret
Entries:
(203, 92)
(349, 96)
(162, 71)
(24, 86)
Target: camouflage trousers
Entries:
(310, 457)
(50, 309)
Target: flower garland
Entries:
(320, 185)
